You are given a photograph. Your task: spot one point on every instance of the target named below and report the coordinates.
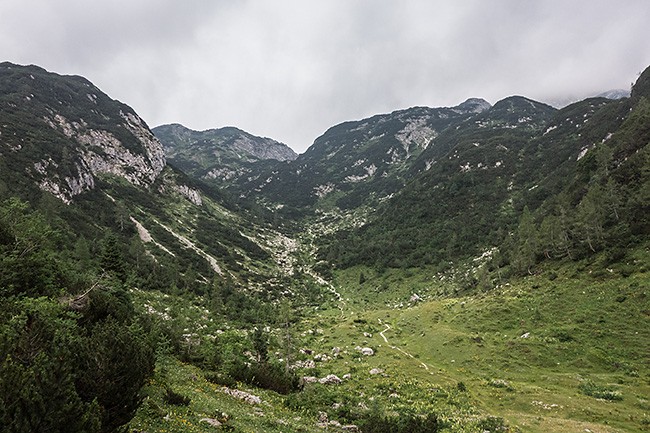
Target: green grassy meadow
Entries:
(565, 350)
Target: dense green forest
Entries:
(74, 353)
(539, 206)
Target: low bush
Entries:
(176, 399)
(599, 391)
(265, 375)
(402, 424)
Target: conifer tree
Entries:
(483, 278)
(261, 345)
(112, 260)
(285, 317)
(564, 242)
(526, 247)
(39, 347)
(590, 217)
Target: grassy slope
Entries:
(583, 324)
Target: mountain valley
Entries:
(456, 269)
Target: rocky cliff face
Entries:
(219, 155)
(89, 133)
(221, 143)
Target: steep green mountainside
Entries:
(219, 156)
(354, 164)
(362, 162)
(459, 200)
(62, 132)
(62, 138)
(472, 200)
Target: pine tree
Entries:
(483, 278)
(590, 217)
(613, 197)
(285, 317)
(548, 235)
(261, 345)
(117, 363)
(564, 241)
(39, 352)
(523, 256)
(112, 260)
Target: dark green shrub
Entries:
(221, 379)
(116, 362)
(265, 375)
(491, 423)
(176, 399)
(153, 410)
(376, 423)
(563, 335)
(39, 341)
(598, 391)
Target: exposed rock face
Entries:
(305, 364)
(192, 195)
(101, 152)
(221, 144)
(66, 158)
(473, 105)
(213, 422)
(241, 395)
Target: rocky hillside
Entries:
(62, 132)
(578, 170)
(219, 156)
(62, 137)
(360, 163)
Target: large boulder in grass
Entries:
(331, 378)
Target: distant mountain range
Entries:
(439, 182)
(218, 154)
(610, 94)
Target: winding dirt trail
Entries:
(426, 367)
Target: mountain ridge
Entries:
(66, 157)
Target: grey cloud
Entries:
(289, 69)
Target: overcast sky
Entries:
(290, 69)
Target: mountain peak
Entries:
(642, 86)
(473, 105)
(614, 94)
(228, 140)
(82, 132)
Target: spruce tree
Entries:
(112, 260)
(526, 247)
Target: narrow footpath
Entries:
(426, 367)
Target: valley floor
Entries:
(549, 353)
